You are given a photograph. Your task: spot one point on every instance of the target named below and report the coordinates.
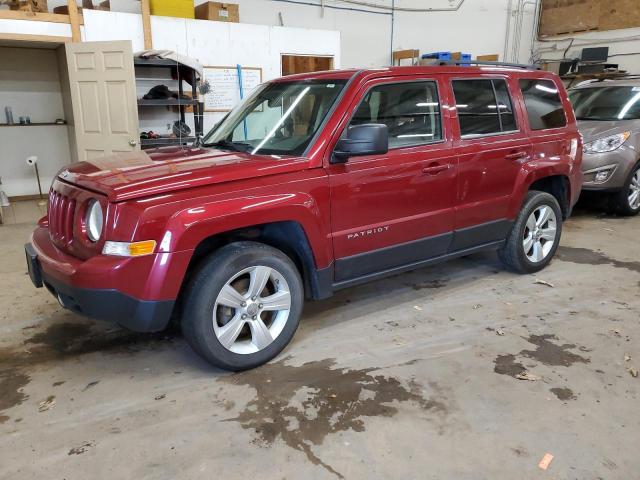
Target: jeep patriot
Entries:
(313, 183)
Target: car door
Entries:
(394, 209)
(491, 146)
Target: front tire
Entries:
(627, 201)
(243, 305)
(535, 235)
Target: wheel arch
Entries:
(287, 236)
(558, 186)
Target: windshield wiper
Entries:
(234, 146)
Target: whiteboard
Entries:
(225, 91)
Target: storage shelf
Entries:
(165, 142)
(164, 102)
(154, 62)
(44, 124)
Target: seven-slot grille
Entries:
(61, 214)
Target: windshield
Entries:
(606, 103)
(277, 119)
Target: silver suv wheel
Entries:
(634, 191)
(539, 234)
(251, 309)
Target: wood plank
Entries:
(561, 16)
(23, 37)
(618, 14)
(146, 24)
(74, 20)
(38, 17)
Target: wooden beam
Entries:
(74, 20)
(146, 24)
(37, 16)
(23, 37)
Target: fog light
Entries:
(126, 249)
(602, 176)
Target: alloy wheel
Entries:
(539, 234)
(251, 309)
(634, 191)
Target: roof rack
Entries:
(487, 62)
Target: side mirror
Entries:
(366, 139)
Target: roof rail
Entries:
(487, 62)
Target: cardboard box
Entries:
(488, 58)
(219, 12)
(125, 6)
(39, 6)
(172, 8)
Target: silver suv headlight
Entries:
(607, 144)
(94, 220)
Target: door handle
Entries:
(133, 143)
(517, 155)
(435, 169)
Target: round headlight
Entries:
(93, 220)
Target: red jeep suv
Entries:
(314, 183)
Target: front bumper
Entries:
(136, 293)
(622, 160)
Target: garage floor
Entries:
(409, 377)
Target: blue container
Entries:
(441, 56)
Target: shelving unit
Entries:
(42, 124)
(181, 103)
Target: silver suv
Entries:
(608, 114)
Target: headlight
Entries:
(607, 144)
(94, 220)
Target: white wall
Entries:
(212, 43)
(30, 84)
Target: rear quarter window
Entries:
(542, 101)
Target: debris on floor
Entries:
(499, 332)
(627, 357)
(633, 372)
(546, 461)
(528, 376)
(545, 283)
(47, 404)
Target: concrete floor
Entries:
(402, 378)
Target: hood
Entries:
(145, 173)
(594, 129)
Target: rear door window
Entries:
(544, 107)
(484, 107)
(410, 110)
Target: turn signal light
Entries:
(126, 249)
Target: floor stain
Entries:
(3, 418)
(303, 404)
(590, 257)
(506, 365)
(563, 393)
(90, 385)
(438, 283)
(65, 340)
(12, 382)
(551, 354)
(81, 449)
(546, 352)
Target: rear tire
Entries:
(627, 201)
(535, 235)
(243, 305)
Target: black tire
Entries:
(621, 198)
(512, 253)
(212, 275)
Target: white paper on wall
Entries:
(225, 90)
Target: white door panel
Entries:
(102, 84)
